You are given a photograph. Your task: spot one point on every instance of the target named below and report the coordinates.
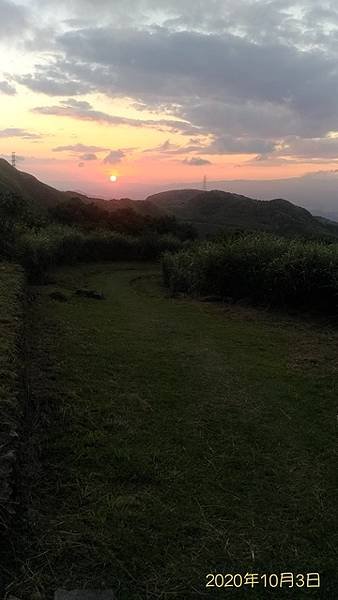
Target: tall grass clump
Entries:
(259, 268)
(42, 249)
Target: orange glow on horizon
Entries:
(50, 156)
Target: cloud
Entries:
(258, 77)
(215, 82)
(81, 148)
(7, 88)
(14, 20)
(194, 145)
(166, 148)
(301, 150)
(20, 133)
(178, 64)
(84, 111)
(322, 174)
(114, 157)
(196, 161)
(228, 144)
(88, 157)
(288, 21)
(223, 145)
(54, 86)
(326, 147)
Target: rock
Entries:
(211, 298)
(97, 296)
(90, 294)
(31, 297)
(84, 595)
(58, 296)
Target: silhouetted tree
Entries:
(90, 216)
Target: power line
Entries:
(13, 160)
(205, 187)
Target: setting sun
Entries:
(113, 178)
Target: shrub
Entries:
(41, 249)
(260, 268)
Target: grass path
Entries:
(176, 439)
(12, 286)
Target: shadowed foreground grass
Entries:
(12, 286)
(176, 439)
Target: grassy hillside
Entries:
(329, 224)
(144, 207)
(176, 439)
(11, 398)
(214, 210)
(31, 189)
(174, 199)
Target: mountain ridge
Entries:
(208, 211)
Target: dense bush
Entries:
(259, 268)
(38, 250)
(90, 216)
(75, 230)
(15, 216)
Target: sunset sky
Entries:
(163, 92)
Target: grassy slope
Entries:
(215, 210)
(11, 409)
(28, 187)
(178, 438)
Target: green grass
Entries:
(260, 268)
(175, 439)
(48, 247)
(11, 402)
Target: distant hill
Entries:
(216, 210)
(143, 207)
(329, 224)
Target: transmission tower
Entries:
(13, 160)
(205, 187)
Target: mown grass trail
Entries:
(176, 439)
